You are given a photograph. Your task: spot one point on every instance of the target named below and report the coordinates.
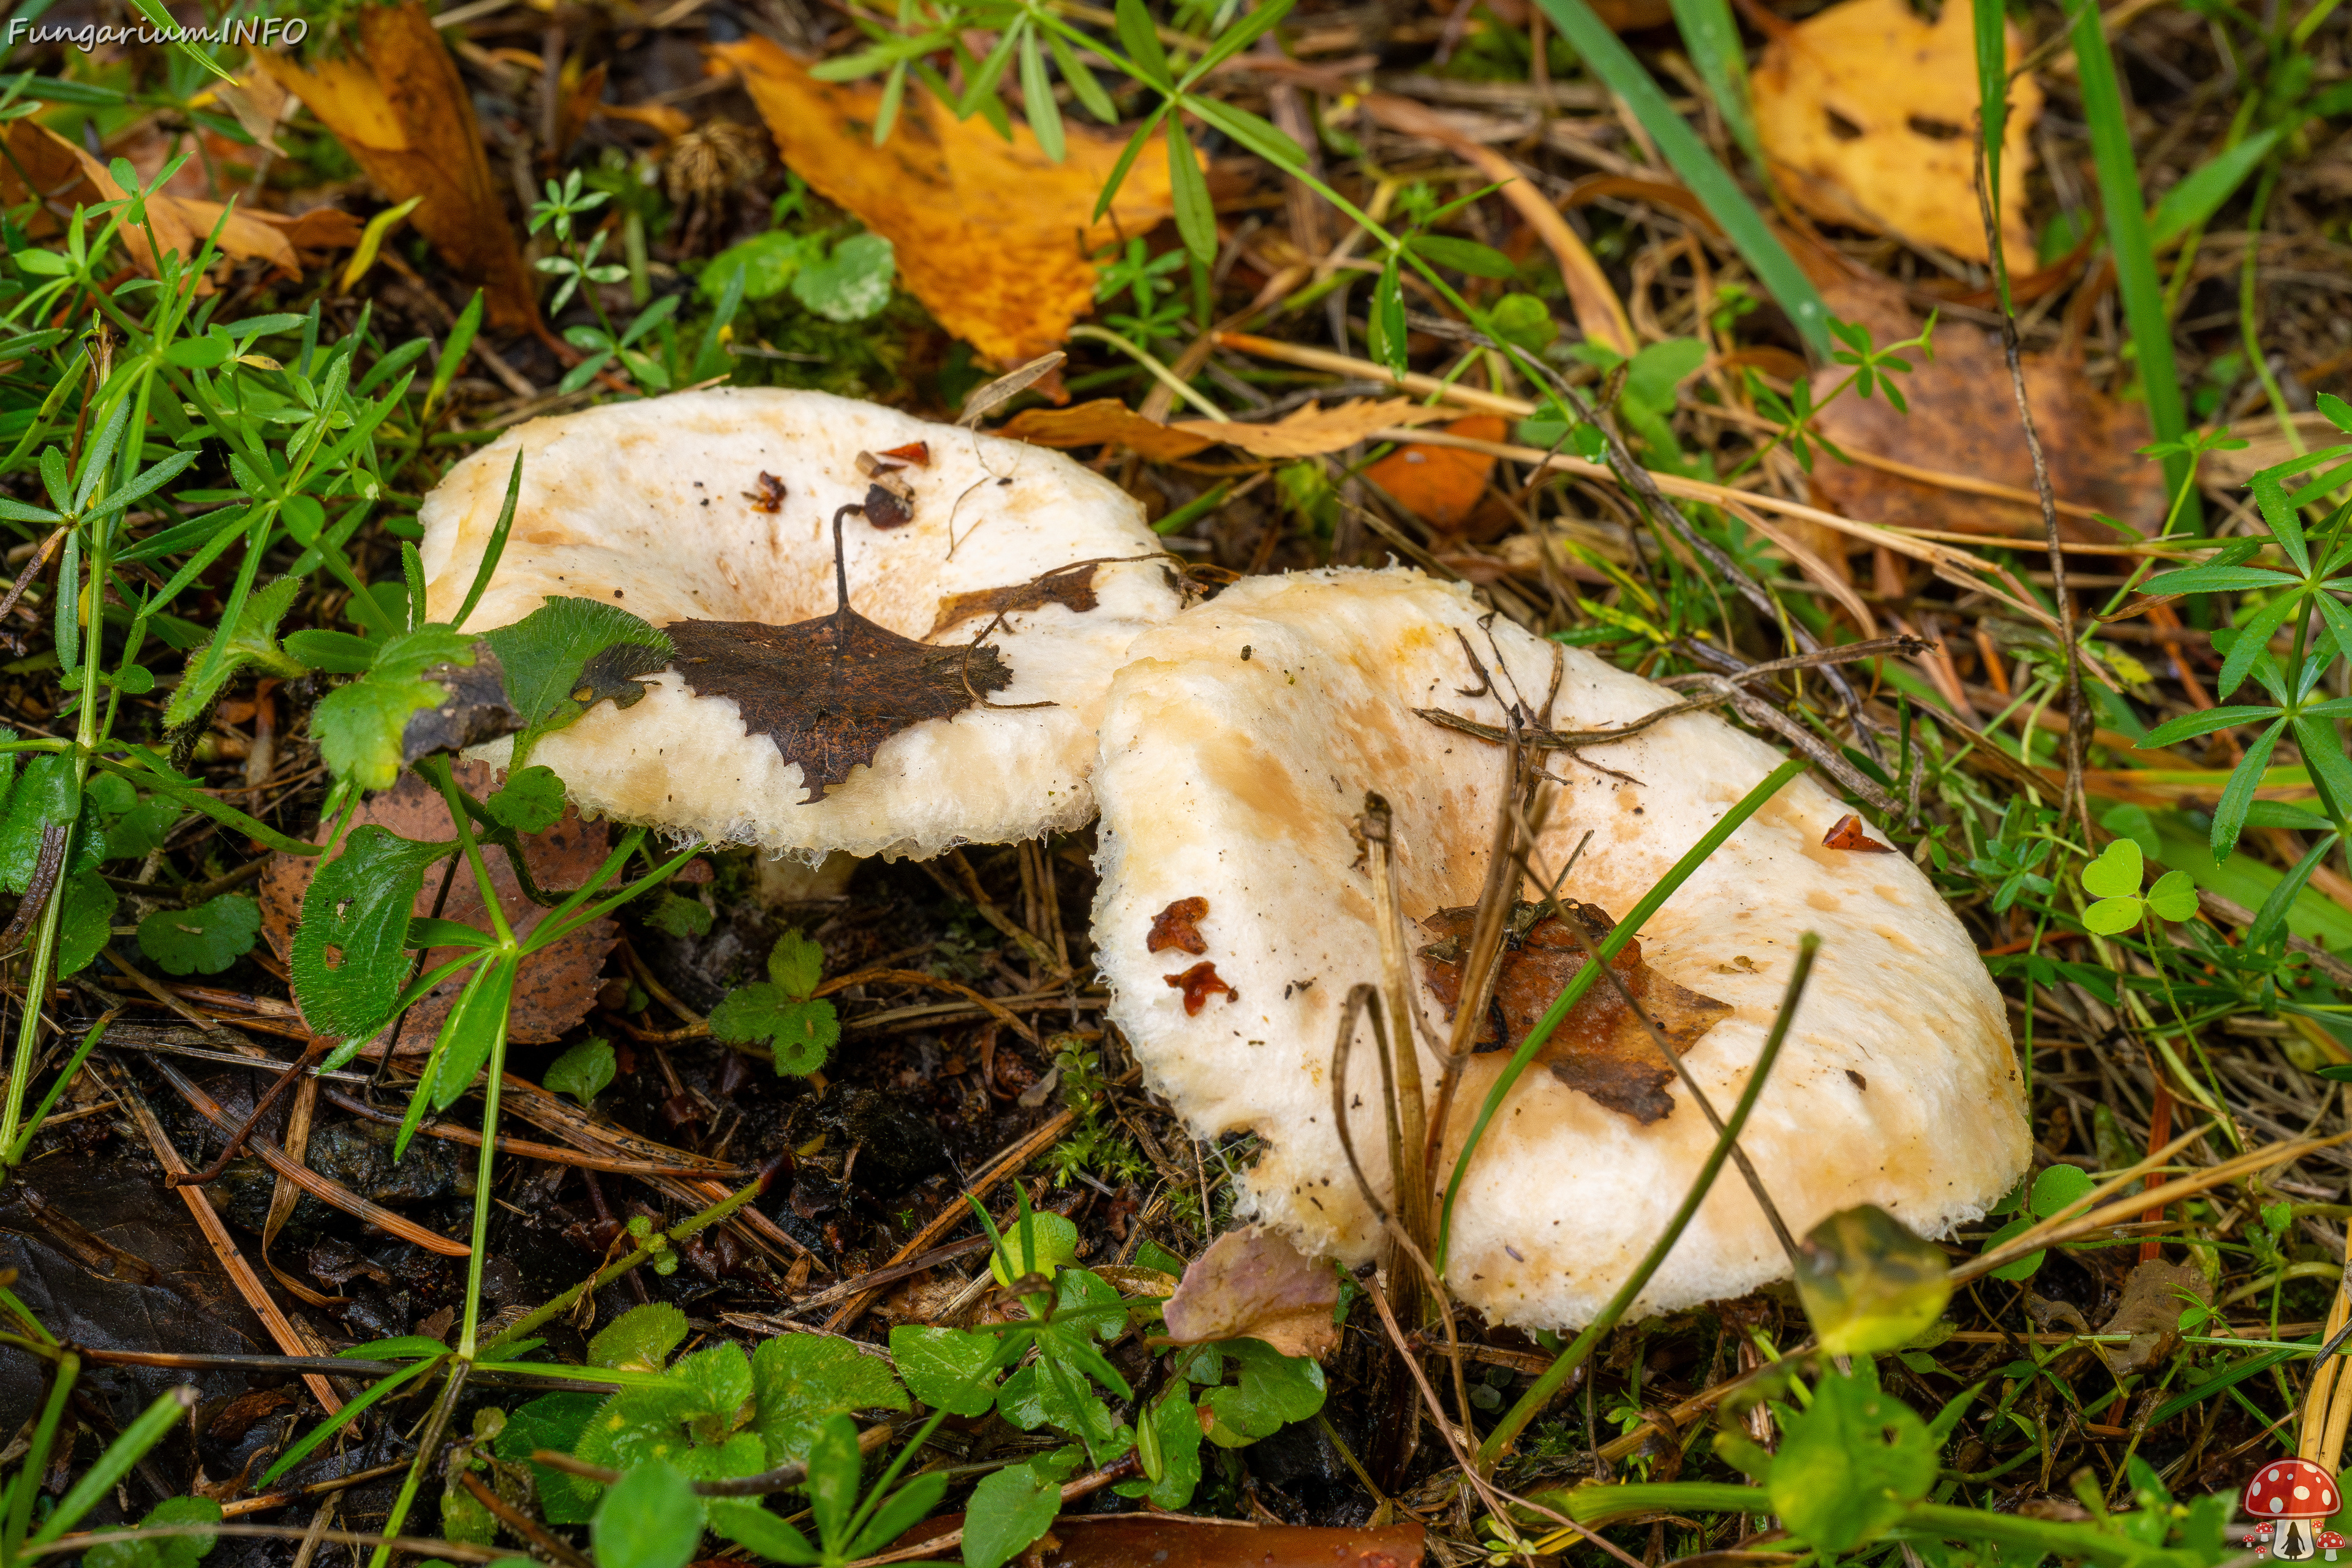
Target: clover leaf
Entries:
(799, 1029)
(2114, 881)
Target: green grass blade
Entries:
(1717, 192)
(150, 1427)
(1712, 36)
(2127, 238)
(345, 1416)
(1992, 95)
(1651, 903)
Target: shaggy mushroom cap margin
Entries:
(1238, 747)
(666, 509)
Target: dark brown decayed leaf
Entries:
(1072, 586)
(612, 673)
(555, 987)
(2149, 1312)
(1601, 1049)
(829, 692)
(1847, 834)
(1252, 1284)
(1199, 984)
(1956, 426)
(1179, 926)
(474, 709)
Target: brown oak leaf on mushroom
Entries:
(935, 682)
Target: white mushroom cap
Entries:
(1238, 745)
(647, 506)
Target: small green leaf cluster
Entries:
(1857, 1468)
(2114, 879)
(650, 348)
(783, 1012)
(2312, 570)
(2050, 1192)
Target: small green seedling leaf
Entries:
(1008, 1512)
(530, 802)
(2174, 897)
(204, 940)
(800, 1381)
(252, 641)
(1850, 1464)
(1050, 1242)
(165, 1551)
(567, 655)
(782, 1012)
(582, 1072)
(853, 283)
(640, 1338)
(674, 914)
(2115, 874)
(650, 1519)
(943, 1366)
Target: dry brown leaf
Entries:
(1252, 1284)
(1308, 432)
(1963, 420)
(1104, 420)
(555, 987)
(1441, 485)
(66, 177)
(398, 105)
(1601, 1048)
(992, 236)
(2150, 1311)
(1866, 112)
(1072, 588)
(1311, 431)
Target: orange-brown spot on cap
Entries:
(1848, 835)
(1178, 926)
(1199, 984)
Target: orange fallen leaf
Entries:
(1308, 432)
(994, 236)
(1867, 114)
(64, 177)
(1311, 431)
(1104, 421)
(1963, 420)
(396, 103)
(1441, 485)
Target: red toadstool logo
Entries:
(2288, 1500)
